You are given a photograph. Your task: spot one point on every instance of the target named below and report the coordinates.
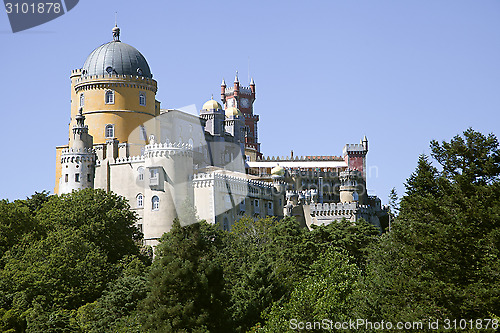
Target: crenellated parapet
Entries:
(111, 81)
(82, 151)
(243, 90)
(235, 185)
(168, 149)
(129, 159)
(299, 158)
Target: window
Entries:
(225, 226)
(140, 170)
(155, 201)
(142, 99)
(110, 131)
(82, 100)
(140, 200)
(110, 97)
(89, 177)
(77, 177)
(66, 178)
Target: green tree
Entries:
(186, 282)
(441, 259)
(325, 293)
(105, 219)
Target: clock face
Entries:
(245, 102)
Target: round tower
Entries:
(168, 186)
(349, 187)
(117, 90)
(78, 161)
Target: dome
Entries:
(116, 57)
(232, 111)
(278, 171)
(211, 105)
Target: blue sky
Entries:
(327, 72)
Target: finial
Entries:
(223, 82)
(365, 139)
(236, 78)
(116, 32)
(212, 97)
(252, 83)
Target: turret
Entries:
(351, 186)
(78, 161)
(355, 156)
(223, 91)
(236, 87)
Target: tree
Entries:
(186, 282)
(325, 293)
(105, 219)
(441, 259)
(393, 202)
(60, 253)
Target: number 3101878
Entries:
(33, 8)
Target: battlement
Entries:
(81, 151)
(130, 159)
(339, 209)
(167, 149)
(132, 81)
(350, 174)
(237, 185)
(299, 158)
(354, 148)
(243, 90)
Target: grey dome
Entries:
(116, 57)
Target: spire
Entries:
(116, 33)
(252, 83)
(80, 119)
(236, 78)
(365, 143)
(223, 84)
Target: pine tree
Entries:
(442, 258)
(186, 282)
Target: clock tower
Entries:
(242, 98)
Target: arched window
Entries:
(110, 97)
(140, 200)
(109, 131)
(155, 203)
(191, 142)
(142, 99)
(82, 100)
(225, 226)
(140, 170)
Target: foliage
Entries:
(326, 292)
(186, 282)
(60, 253)
(441, 259)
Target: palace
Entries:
(121, 140)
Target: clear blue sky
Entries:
(327, 72)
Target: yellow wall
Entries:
(125, 113)
(58, 167)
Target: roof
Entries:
(114, 58)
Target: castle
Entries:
(121, 140)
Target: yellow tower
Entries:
(117, 92)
